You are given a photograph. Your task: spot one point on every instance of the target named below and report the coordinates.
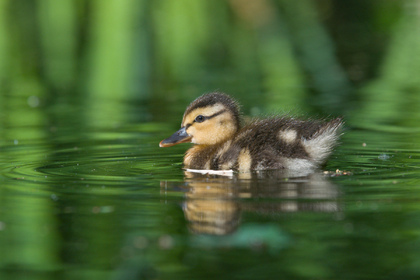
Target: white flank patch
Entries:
(288, 136)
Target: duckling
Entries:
(213, 123)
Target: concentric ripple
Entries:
(99, 162)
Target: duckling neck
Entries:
(225, 131)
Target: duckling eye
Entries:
(199, 118)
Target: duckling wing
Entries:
(286, 143)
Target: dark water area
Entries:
(86, 192)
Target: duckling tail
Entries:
(320, 145)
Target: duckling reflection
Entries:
(213, 204)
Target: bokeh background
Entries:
(88, 88)
(324, 57)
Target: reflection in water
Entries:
(213, 203)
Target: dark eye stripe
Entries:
(203, 118)
(216, 114)
(206, 118)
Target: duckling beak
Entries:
(181, 136)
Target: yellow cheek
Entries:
(212, 131)
(206, 133)
(195, 135)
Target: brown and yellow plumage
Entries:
(212, 122)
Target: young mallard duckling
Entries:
(212, 121)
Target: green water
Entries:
(103, 201)
(89, 88)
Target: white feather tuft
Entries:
(321, 144)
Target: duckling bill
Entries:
(213, 123)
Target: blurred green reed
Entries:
(323, 57)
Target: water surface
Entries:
(101, 200)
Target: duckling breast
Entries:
(223, 156)
(199, 157)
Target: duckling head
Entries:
(210, 119)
